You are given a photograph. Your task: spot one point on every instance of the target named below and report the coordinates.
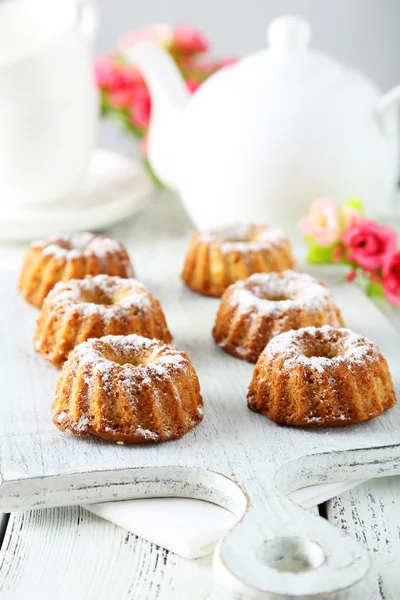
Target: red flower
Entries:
(188, 40)
(391, 278)
(121, 98)
(351, 275)
(369, 243)
(141, 108)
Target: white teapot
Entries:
(263, 138)
(48, 98)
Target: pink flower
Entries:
(188, 40)
(192, 84)
(161, 33)
(141, 108)
(322, 224)
(391, 278)
(369, 243)
(106, 73)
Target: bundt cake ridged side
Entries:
(255, 310)
(319, 377)
(128, 389)
(65, 257)
(217, 258)
(79, 309)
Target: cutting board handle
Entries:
(281, 551)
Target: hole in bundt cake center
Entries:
(322, 351)
(237, 238)
(65, 244)
(97, 298)
(133, 361)
(273, 296)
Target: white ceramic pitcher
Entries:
(48, 98)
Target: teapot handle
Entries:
(387, 114)
(88, 19)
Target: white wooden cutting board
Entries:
(235, 458)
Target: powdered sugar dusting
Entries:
(144, 357)
(263, 292)
(121, 297)
(296, 347)
(242, 237)
(77, 244)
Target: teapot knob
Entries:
(289, 34)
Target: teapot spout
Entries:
(169, 95)
(388, 112)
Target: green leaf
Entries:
(374, 289)
(356, 204)
(320, 255)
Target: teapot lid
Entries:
(288, 57)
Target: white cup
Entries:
(48, 99)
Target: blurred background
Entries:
(293, 108)
(361, 33)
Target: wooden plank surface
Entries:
(66, 553)
(69, 553)
(371, 514)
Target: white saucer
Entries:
(115, 188)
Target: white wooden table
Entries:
(70, 553)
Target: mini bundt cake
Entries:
(64, 257)
(255, 310)
(128, 389)
(79, 309)
(217, 258)
(320, 377)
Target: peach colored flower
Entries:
(391, 278)
(188, 40)
(369, 243)
(322, 224)
(161, 33)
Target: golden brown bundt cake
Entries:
(255, 310)
(218, 257)
(64, 257)
(79, 309)
(320, 377)
(128, 389)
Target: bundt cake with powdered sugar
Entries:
(218, 257)
(79, 309)
(128, 389)
(255, 310)
(320, 377)
(64, 257)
